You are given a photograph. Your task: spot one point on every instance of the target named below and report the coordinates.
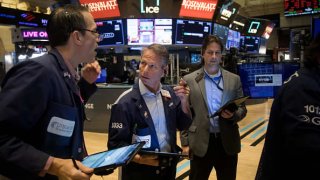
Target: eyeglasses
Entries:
(100, 36)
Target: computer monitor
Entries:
(195, 58)
(233, 39)
(149, 31)
(102, 78)
(111, 31)
(191, 32)
(250, 44)
(221, 32)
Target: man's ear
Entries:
(76, 37)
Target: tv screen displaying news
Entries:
(148, 31)
(191, 32)
(112, 31)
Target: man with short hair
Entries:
(42, 103)
(152, 113)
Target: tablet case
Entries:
(231, 105)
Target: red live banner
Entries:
(102, 9)
(203, 9)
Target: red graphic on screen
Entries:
(203, 9)
(102, 9)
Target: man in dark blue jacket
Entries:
(292, 145)
(152, 113)
(42, 103)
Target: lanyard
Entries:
(216, 81)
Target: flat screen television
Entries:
(254, 27)
(315, 27)
(221, 32)
(250, 44)
(233, 39)
(195, 58)
(299, 7)
(148, 31)
(191, 32)
(111, 31)
(102, 78)
(238, 23)
(227, 13)
(268, 30)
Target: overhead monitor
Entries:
(221, 32)
(268, 30)
(148, 31)
(111, 31)
(227, 13)
(233, 39)
(238, 23)
(250, 44)
(299, 7)
(255, 27)
(191, 32)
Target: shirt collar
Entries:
(217, 75)
(145, 91)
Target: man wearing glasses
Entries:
(42, 102)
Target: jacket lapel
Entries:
(143, 109)
(201, 84)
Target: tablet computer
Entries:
(231, 105)
(112, 158)
(142, 152)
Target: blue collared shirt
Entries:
(156, 109)
(214, 91)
